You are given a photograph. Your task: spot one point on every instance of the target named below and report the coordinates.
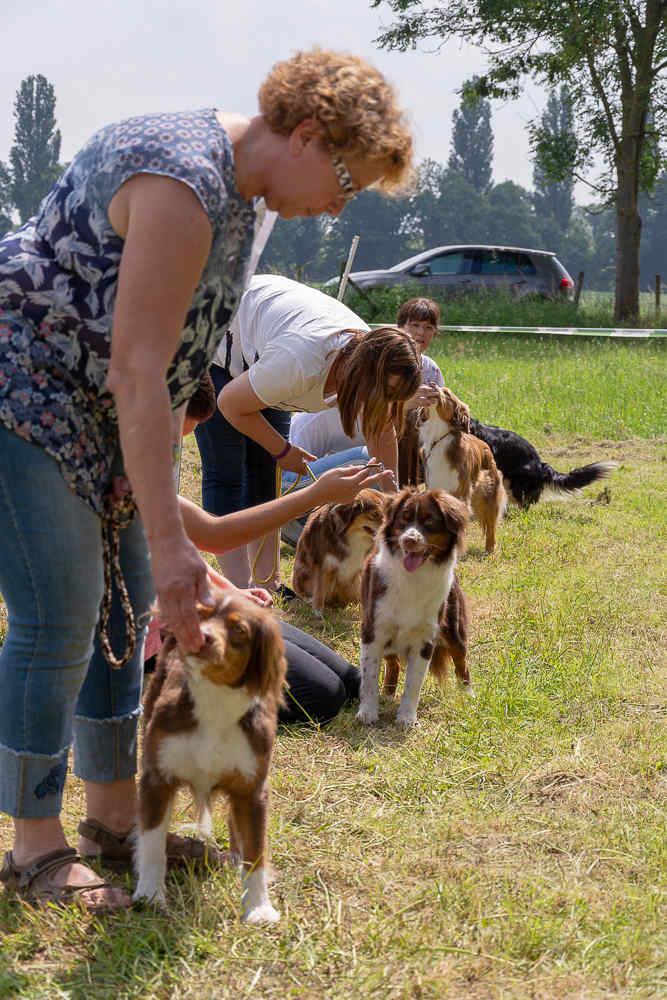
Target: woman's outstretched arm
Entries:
(219, 534)
(241, 406)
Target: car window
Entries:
(456, 262)
(526, 265)
(505, 262)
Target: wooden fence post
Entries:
(299, 272)
(577, 288)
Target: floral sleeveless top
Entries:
(58, 280)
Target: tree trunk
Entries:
(628, 234)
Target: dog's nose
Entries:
(412, 539)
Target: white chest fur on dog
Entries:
(406, 616)
(438, 468)
(217, 745)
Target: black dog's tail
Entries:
(576, 479)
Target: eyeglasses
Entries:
(345, 182)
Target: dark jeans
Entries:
(236, 471)
(319, 680)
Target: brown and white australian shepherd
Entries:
(210, 723)
(332, 547)
(461, 464)
(413, 609)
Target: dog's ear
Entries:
(267, 665)
(371, 502)
(462, 416)
(342, 516)
(455, 514)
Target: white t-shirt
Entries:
(287, 334)
(323, 434)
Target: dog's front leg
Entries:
(369, 699)
(414, 679)
(150, 848)
(248, 820)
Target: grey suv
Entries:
(458, 270)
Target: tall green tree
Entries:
(472, 139)
(509, 217)
(34, 156)
(382, 225)
(554, 199)
(293, 249)
(447, 207)
(611, 54)
(5, 200)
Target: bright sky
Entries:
(109, 59)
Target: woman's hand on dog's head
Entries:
(181, 582)
(426, 395)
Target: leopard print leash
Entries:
(118, 513)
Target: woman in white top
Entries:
(292, 347)
(322, 433)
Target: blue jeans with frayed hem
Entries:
(57, 688)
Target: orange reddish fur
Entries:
(480, 483)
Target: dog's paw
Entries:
(467, 690)
(265, 913)
(369, 716)
(153, 895)
(407, 720)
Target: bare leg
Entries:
(113, 803)
(235, 566)
(36, 837)
(264, 565)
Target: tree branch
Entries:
(597, 82)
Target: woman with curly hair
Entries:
(113, 299)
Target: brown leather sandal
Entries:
(116, 849)
(35, 884)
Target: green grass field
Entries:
(512, 846)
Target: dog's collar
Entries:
(427, 454)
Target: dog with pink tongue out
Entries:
(413, 609)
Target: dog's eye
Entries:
(238, 631)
